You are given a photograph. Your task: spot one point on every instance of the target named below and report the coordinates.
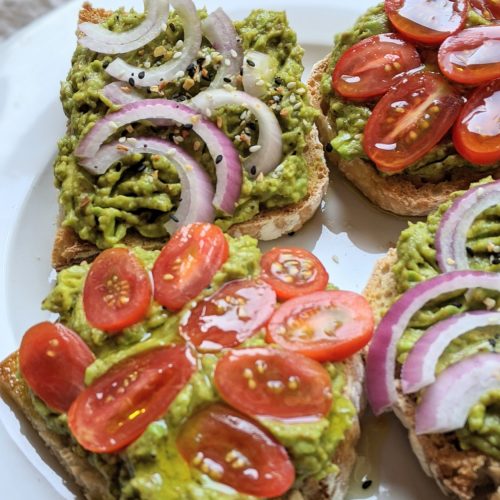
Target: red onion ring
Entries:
(446, 404)
(259, 73)
(104, 41)
(451, 236)
(143, 77)
(381, 359)
(420, 365)
(219, 30)
(269, 145)
(222, 150)
(121, 93)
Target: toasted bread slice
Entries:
(267, 225)
(459, 474)
(96, 486)
(395, 193)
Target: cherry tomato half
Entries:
(53, 360)
(117, 291)
(292, 272)
(187, 264)
(410, 120)
(234, 450)
(231, 315)
(471, 56)
(116, 409)
(427, 21)
(494, 8)
(371, 66)
(326, 326)
(263, 382)
(476, 134)
(482, 8)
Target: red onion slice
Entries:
(269, 147)
(446, 404)
(259, 70)
(197, 191)
(120, 93)
(381, 359)
(173, 69)
(451, 236)
(104, 41)
(219, 30)
(222, 150)
(420, 365)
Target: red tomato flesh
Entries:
(484, 8)
(187, 264)
(326, 326)
(228, 317)
(427, 21)
(471, 56)
(116, 409)
(410, 120)
(292, 272)
(117, 291)
(53, 360)
(476, 134)
(234, 450)
(494, 8)
(371, 66)
(274, 383)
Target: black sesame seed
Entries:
(200, 61)
(174, 218)
(252, 126)
(329, 148)
(458, 305)
(278, 81)
(227, 80)
(495, 258)
(181, 98)
(144, 145)
(187, 126)
(148, 90)
(253, 170)
(250, 63)
(366, 484)
(470, 252)
(142, 74)
(218, 159)
(132, 82)
(493, 343)
(105, 64)
(241, 71)
(172, 27)
(191, 70)
(291, 233)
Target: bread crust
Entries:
(460, 474)
(95, 485)
(394, 193)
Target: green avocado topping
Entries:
(152, 468)
(349, 118)
(140, 192)
(417, 262)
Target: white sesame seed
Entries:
(177, 55)
(171, 152)
(293, 99)
(234, 53)
(147, 65)
(301, 91)
(179, 74)
(291, 85)
(254, 149)
(179, 44)
(122, 140)
(208, 112)
(260, 83)
(297, 106)
(227, 62)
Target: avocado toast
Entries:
(134, 200)
(430, 179)
(463, 459)
(106, 460)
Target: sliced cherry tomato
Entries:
(52, 360)
(187, 264)
(234, 450)
(410, 120)
(292, 272)
(326, 326)
(427, 21)
(117, 291)
(116, 409)
(371, 66)
(231, 315)
(471, 56)
(476, 134)
(494, 8)
(481, 8)
(264, 382)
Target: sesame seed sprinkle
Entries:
(291, 85)
(254, 149)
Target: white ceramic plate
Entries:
(348, 234)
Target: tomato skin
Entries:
(410, 120)
(117, 407)
(187, 264)
(494, 8)
(273, 383)
(227, 318)
(480, 112)
(310, 315)
(53, 360)
(279, 266)
(117, 291)
(472, 56)
(214, 439)
(424, 21)
(371, 66)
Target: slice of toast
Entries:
(267, 225)
(395, 193)
(459, 474)
(96, 485)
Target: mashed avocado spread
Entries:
(349, 118)
(417, 262)
(152, 468)
(141, 192)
